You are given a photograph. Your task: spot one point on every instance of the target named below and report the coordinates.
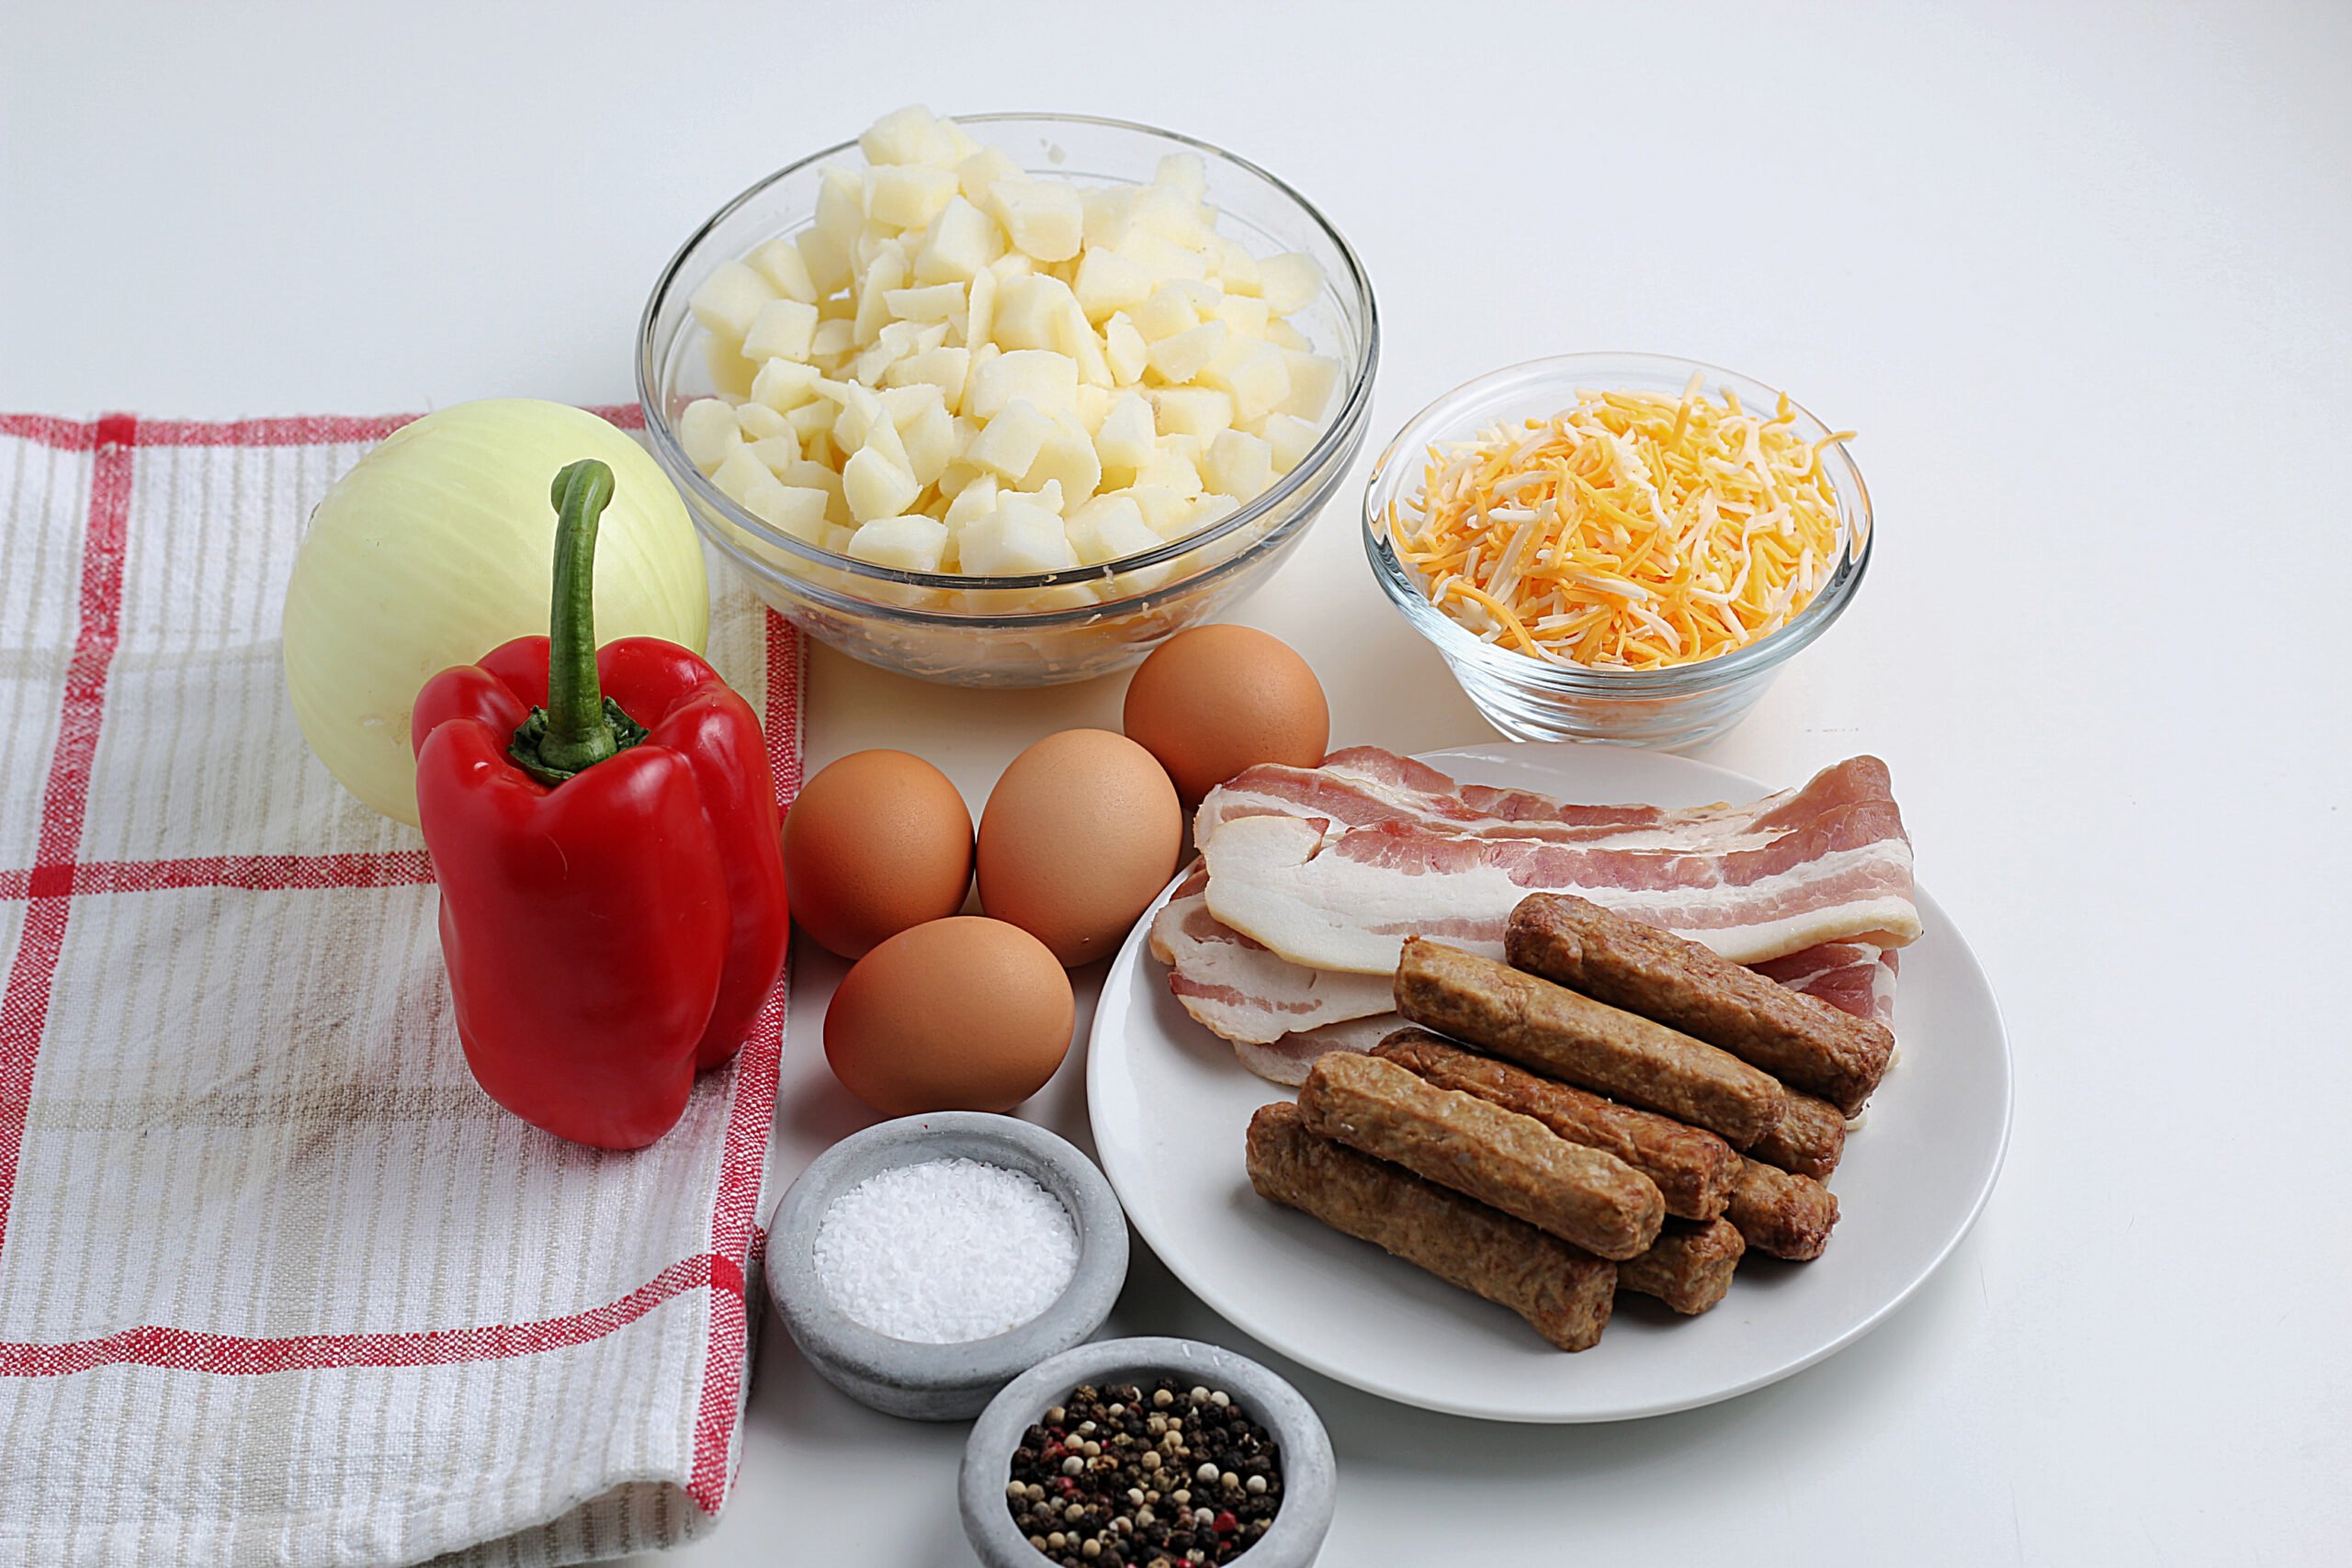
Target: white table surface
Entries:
(2081, 276)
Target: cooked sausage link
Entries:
(1694, 1169)
(1804, 1043)
(1505, 1160)
(1808, 1140)
(1787, 1216)
(1690, 1267)
(1554, 1031)
(1563, 1291)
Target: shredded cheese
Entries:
(1632, 531)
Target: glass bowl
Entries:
(1046, 627)
(1528, 698)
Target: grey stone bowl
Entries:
(1310, 1475)
(942, 1383)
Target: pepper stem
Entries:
(579, 727)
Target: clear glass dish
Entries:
(1052, 626)
(1674, 709)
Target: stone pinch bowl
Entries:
(1310, 1475)
(942, 1383)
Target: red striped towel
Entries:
(277, 1282)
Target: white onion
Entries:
(438, 547)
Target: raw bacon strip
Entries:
(1238, 989)
(1851, 976)
(1828, 862)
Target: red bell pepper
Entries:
(605, 831)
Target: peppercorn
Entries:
(1079, 1483)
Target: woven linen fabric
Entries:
(277, 1282)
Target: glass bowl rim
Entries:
(1328, 442)
(1457, 642)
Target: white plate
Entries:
(1169, 1102)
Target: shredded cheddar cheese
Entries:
(1632, 531)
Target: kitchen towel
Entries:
(277, 1282)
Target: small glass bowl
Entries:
(1674, 709)
(1048, 627)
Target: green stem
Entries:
(579, 727)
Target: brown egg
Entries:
(1080, 834)
(960, 1014)
(1214, 700)
(877, 842)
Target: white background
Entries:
(2082, 278)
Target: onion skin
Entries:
(438, 546)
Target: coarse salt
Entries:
(947, 1251)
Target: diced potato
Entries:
(841, 205)
(1108, 281)
(777, 453)
(1289, 281)
(874, 486)
(1170, 311)
(1236, 267)
(1037, 376)
(1065, 457)
(907, 404)
(1313, 377)
(1018, 538)
(935, 302)
(1179, 357)
(1255, 374)
(758, 420)
(738, 472)
(910, 543)
(1164, 510)
(1238, 463)
(813, 475)
(832, 339)
(729, 299)
(1184, 172)
(1093, 369)
(1123, 350)
(1011, 441)
(1126, 438)
(1012, 265)
(907, 196)
(1106, 215)
(1042, 217)
(944, 368)
(708, 431)
(781, 329)
(1170, 469)
(1282, 335)
(1031, 312)
(1170, 214)
(1109, 528)
(812, 420)
(1291, 438)
(979, 171)
(980, 309)
(784, 384)
(929, 442)
(1161, 257)
(1093, 404)
(1207, 509)
(974, 501)
(911, 135)
(780, 262)
(961, 241)
(888, 272)
(827, 258)
(837, 537)
(1197, 412)
(1247, 316)
(730, 373)
(791, 509)
(1047, 495)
